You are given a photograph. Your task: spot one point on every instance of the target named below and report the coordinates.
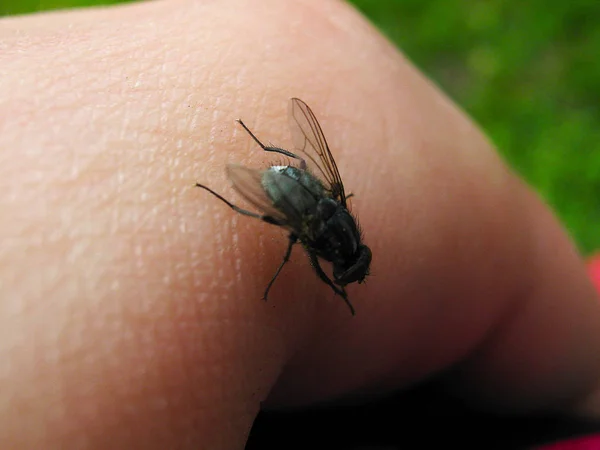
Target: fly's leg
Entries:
(314, 261)
(237, 209)
(273, 149)
(286, 258)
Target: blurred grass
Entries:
(528, 72)
(10, 7)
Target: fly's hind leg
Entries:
(273, 149)
(286, 258)
(293, 239)
(237, 209)
(314, 261)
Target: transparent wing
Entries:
(248, 183)
(309, 139)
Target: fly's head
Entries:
(354, 270)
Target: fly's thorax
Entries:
(350, 257)
(327, 208)
(336, 234)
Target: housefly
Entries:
(308, 200)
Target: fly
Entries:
(308, 200)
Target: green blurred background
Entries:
(528, 72)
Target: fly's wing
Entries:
(248, 183)
(309, 139)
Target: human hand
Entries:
(130, 313)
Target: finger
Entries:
(141, 294)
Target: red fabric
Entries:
(594, 270)
(584, 443)
(588, 442)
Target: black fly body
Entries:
(308, 200)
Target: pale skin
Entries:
(130, 314)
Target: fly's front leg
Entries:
(237, 209)
(273, 149)
(286, 258)
(314, 261)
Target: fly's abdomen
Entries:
(293, 191)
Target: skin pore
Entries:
(131, 313)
